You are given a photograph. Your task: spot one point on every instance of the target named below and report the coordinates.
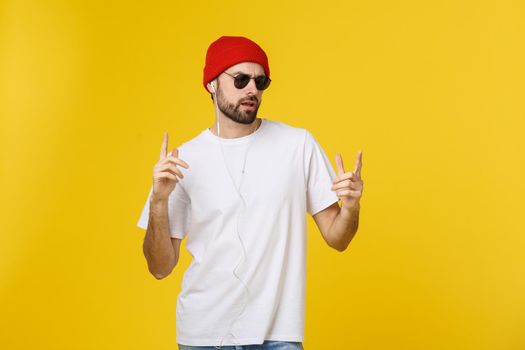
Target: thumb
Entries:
(175, 152)
(339, 164)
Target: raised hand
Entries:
(165, 172)
(349, 186)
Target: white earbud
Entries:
(213, 88)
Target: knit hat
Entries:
(230, 50)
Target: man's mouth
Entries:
(248, 105)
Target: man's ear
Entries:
(211, 86)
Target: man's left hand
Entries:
(349, 186)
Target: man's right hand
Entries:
(165, 172)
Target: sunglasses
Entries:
(241, 80)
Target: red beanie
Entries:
(230, 50)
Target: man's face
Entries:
(230, 99)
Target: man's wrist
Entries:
(350, 212)
(154, 200)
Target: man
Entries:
(239, 191)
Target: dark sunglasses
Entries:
(241, 80)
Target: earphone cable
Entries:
(238, 216)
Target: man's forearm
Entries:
(157, 247)
(344, 227)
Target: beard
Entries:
(234, 112)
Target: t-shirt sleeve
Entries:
(179, 212)
(319, 175)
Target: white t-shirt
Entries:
(246, 281)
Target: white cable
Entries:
(238, 216)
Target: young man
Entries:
(239, 191)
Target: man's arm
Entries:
(160, 250)
(338, 226)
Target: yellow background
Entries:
(431, 91)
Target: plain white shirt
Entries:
(246, 280)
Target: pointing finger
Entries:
(164, 147)
(360, 164)
(357, 167)
(339, 164)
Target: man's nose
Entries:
(251, 87)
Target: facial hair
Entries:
(234, 112)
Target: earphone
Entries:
(213, 90)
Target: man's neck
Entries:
(231, 130)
